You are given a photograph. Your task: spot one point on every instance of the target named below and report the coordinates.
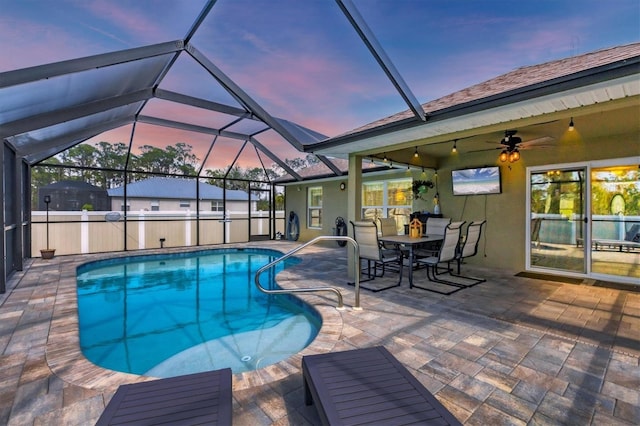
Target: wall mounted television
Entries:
(476, 181)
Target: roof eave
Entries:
(614, 70)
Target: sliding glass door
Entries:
(615, 220)
(584, 220)
(558, 221)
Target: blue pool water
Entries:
(172, 314)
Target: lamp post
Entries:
(47, 200)
(48, 253)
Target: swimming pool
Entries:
(172, 314)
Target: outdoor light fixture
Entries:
(385, 158)
(511, 155)
(571, 124)
(454, 149)
(415, 154)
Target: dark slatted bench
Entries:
(193, 399)
(369, 386)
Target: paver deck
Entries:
(512, 350)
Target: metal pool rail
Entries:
(316, 289)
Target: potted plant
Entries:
(48, 252)
(420, 188)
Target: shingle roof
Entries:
(517, 79)
(175, 188)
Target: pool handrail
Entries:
(316, 289)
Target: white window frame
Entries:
(312, 209)
(385, 206)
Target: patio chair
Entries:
(366, 235)
(434, 226)
(437, 225)
(446, 254)
(388, 226)
(470, 249)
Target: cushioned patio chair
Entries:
(366, 235)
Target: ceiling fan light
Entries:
(504, 155)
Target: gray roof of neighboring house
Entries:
(175, 188)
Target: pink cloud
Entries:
(137, 23)
(28, 43)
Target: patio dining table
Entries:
(410, 243)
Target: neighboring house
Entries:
(73, 195)
(172, 194)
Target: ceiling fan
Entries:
(512, 144)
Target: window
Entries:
(185, 203)
(314, 206)
(155, 205)
(217, 206)
(389, 198)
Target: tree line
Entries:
(103, 165)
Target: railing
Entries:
(316, 289)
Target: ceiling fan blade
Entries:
(530, 147)
(486, 149)
(541, 140)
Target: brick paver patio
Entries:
(511, 350)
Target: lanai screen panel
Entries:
(35, 145)
(187, 114)
(188, 77)
(299, 60)
(69, 90)
(167, 150)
